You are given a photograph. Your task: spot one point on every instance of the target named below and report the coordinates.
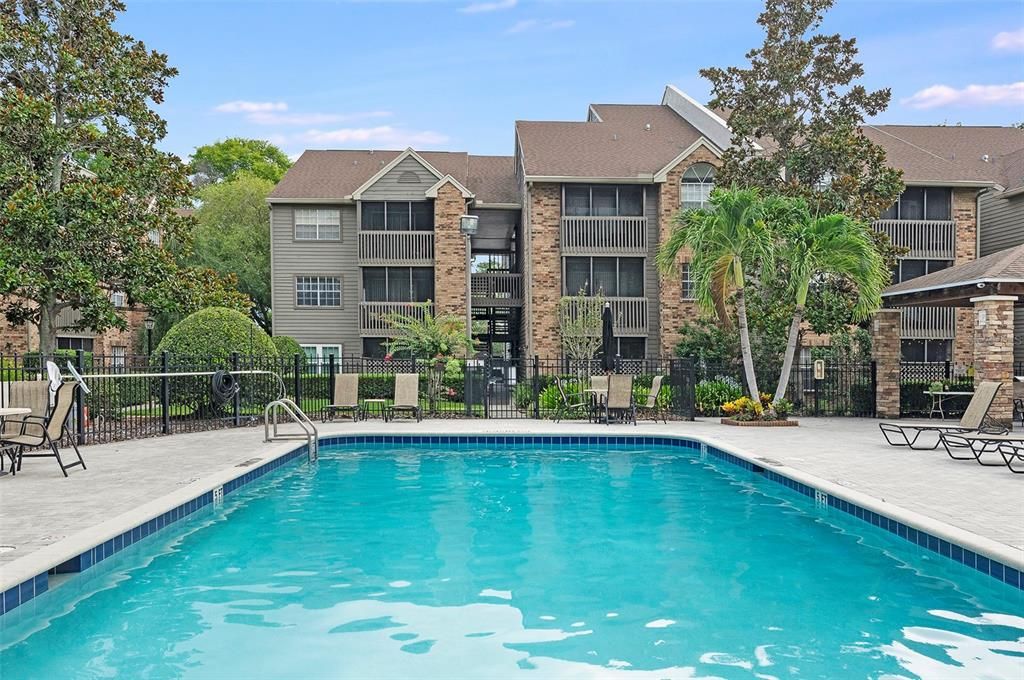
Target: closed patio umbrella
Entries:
(607, 339)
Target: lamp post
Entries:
(468, 225)
(150, 324)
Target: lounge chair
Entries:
(1010, 446)
(407, 396)
(1018, 401)
(974, 419)
(37, 431)
(346, 397)
(650, 407)
(620, 399)
(568, 405)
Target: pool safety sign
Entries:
(819, 369)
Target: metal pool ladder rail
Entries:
(270, 417)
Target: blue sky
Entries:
(455, 75)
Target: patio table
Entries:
(378, 406)
(9, 450)
(939, 397)
(597, 398)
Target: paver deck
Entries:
(39, 507)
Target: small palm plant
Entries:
(817, 247)
(725, 238)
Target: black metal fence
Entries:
(839, 389)
(138, 396)
(917, 379)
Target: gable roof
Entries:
(615, 144)
(1004, 266)
(954, 154)
(334, 175)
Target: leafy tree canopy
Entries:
(223, 160)
(88, 199)
(798, 99)
(233, 237)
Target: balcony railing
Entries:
(629, 316)
(373, 316)
(930, 239)
(497, 289)
(928, 323)
(411, 248)
(604, 235)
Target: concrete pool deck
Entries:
(42, 514)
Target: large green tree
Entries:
(233, 238)
(725, 238)
(795, 112)
(74, 90)
(224, 159)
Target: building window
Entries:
(698, 181)
(609, 276)
(317, 224)
(908, 268)
(687, 283)
(397, 216)
(119, 299)
(926, 350)
(922, 203)
(118, 353)
(632, 348)
(398, 284)
(84, 344)
(319, 356)
(318, 291)
(375, 348)
(603, 200)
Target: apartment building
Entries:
(583, 206)
(964, 198)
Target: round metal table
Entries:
(6, 411)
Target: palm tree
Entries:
(723, 238)
(833, 245)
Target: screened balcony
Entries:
(629, 316)
(415, 248)
(931, 239)
(927, 323)
(497, 289)
(373, 316)
(604, 235)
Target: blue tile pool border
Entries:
(39, 584)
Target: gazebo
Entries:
(991, 285)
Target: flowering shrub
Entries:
(711, 394)
(746, 408)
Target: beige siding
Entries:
(291, 258)
(652, 289)
(391, 186)
(1002, 222)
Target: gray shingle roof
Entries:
(618, 146)
(953, 153)
(335, 174)
(1005, 265)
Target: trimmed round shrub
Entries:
(286, 346)
(205, 341)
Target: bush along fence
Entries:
(841, 389)
(138, 396)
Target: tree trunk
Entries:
(47, 327)
(787, 360)
(748, 357)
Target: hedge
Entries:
(913, 397)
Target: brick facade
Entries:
(885, 349)
(449, 251)
(674, 310)
(25, 338)
(544, 203)
(965, 215)
(993, 350)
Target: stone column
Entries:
(993, 350)
(449, 252)
(885, 350)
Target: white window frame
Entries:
(317, 224)
(320, 358)
(320, 290)
(687, 286)
(118, 355)
(695, 186)
(119, 298)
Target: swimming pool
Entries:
(492, 560)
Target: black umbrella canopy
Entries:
(607, 339)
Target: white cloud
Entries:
(972, 95)
(1010, 41)
(249, 107)
(481, 7)
(540, 25)
(381, 135)
(273, 118)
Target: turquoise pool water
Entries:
(466, 563)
